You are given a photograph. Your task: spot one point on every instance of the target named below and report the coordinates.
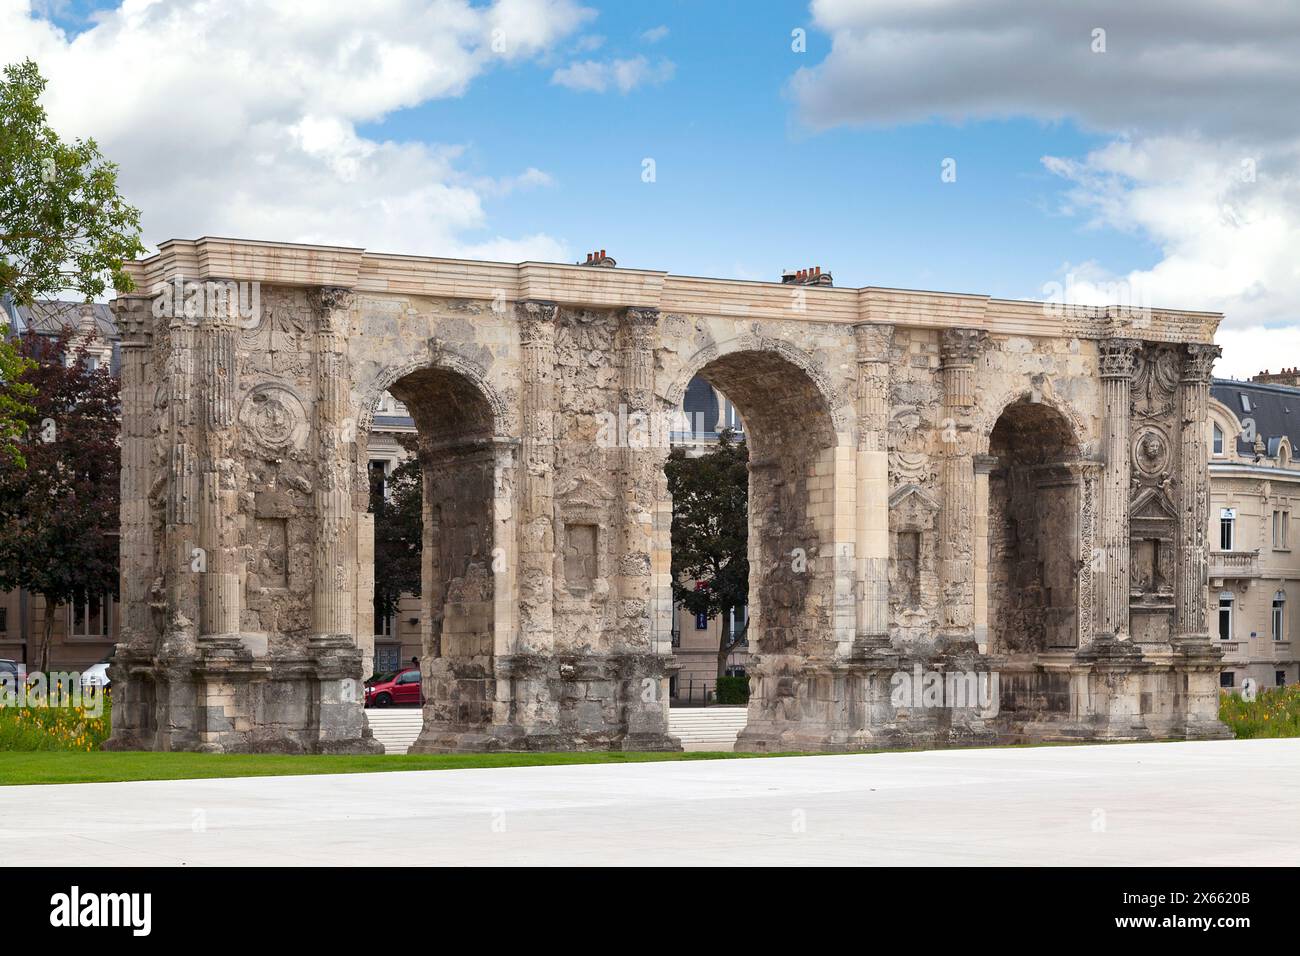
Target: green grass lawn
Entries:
(40, 746)
(71, 767)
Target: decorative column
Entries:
(640, 473)
(960, 348)
(134, 318)
(537, 495)
(983, 465)
(1119, 360)
(218, 505)
(1194, 492)
(332, 591)
(871, 583)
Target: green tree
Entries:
(397, 503)
(710, 534)
(63, 226)
(62, 223)
(59, 515)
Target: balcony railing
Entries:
(1234, 564)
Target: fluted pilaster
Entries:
(1119, 358)
(218, 371)
(332, 593)
(537, 478)
(872, 343)
(134, 318)
(1194, 491)
(960, 349)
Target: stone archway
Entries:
(796, 610)
(465, 471)
(243, 523)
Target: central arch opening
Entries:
(790, 440)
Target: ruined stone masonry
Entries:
(939, 484)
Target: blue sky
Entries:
(515, 129)
(744, 188)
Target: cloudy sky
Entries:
(1147, 152)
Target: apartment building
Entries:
(1254, 549)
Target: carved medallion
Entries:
(1151, 452)
(275, 417)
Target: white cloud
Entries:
(1198, 96)
(655, 34)
(597, 76)
(240, 118)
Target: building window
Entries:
(90, 616)
(1245, 403)
(1225, 616)
(1227, 679)
(379, 471)
(1227, 527)
(387, 658)
(1218, 440)
(701, 621)
(1279, 678)
(739, 615)
(1279, 606)
(1281, 522)
(4, 619)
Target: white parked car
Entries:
(95, 676)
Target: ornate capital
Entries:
(639, 317)
(1119, 357)
(331, 304)
(328, 299)
(872, 341)
(962, 346)
(1198, 364)
(134, 317)
(536, 320)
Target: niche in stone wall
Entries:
(913, 561)
(1153, 526)
(581, 542)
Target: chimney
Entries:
(811, 275)
(599, 259)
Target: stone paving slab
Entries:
(1220, 802)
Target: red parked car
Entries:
(402, 688)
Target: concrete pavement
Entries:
(1219, 802)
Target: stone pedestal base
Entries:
(879, 701)
(541, 703)
(225, 699)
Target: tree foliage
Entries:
(63, 225)
(59, 516)
(399, 534)
(710, 534)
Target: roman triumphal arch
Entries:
(970, 519)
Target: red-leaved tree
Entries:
(59, 514)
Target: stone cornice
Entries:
(379, 273)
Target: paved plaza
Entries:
(1200, 803)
